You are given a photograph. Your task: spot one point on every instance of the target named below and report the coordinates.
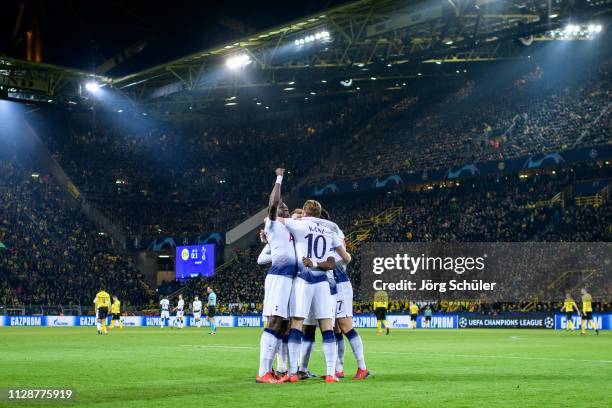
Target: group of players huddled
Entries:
(307, 284)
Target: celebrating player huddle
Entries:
(307, 283)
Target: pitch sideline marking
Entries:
(574, 360)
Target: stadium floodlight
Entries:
(238, 61)
(319, 36)
(92, 87)
(572, 29)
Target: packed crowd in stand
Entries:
(51, 254)
(488, 119)
(163, 179)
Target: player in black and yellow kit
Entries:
(569, 305)
(380, 309)
(587, 312)
(102, 303)
(414, 314)
(116, 313)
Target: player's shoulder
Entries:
(326, 223)
(273, 224)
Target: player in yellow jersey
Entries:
(587, 312)
(569, 305)
(116, 313)
(380, 309)
(414, 314)
(102, 303)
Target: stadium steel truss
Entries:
(382, 40)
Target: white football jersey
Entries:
(282, 248)
(165, 303)
(335, 228)
(181, 304)
(265, 257)
(197, 305)
(314, 240)
(339, 273)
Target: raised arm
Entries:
(275, 195)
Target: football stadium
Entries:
(364, 203)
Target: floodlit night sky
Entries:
(83, 34)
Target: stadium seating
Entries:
(169, 179)
(482, 121)
(52, 254)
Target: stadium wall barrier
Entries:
(438, 321)
(391, 181)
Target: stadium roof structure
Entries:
(358, 42)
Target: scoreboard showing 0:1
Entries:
(195, 260)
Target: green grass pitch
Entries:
(150, 367)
